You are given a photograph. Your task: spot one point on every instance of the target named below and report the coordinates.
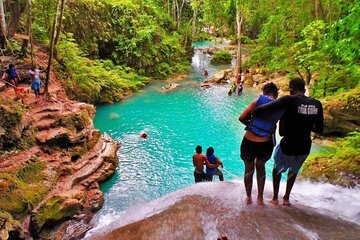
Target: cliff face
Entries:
(52, 161)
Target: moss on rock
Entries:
(7, 225)
(14, 132)
(23, 189)
(340, 165)
(55, 209)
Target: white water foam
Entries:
(334, 201)
(308, 233)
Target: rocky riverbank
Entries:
(52, 160)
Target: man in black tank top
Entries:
(302, 116)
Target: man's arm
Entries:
(318, 126)
(219, 162)
(208, 164)
(245, 116)
(278, 104)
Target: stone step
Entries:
(45, 124)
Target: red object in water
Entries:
(143, 135)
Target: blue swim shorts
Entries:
(35, 85)
(284, 162)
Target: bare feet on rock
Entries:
(286, 203)
(260, 202)
(248, 201)
(274, 201)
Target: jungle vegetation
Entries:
(109, 48)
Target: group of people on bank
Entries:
(12, 79)
(298, 114)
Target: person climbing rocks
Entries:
(35, 80)
(10, 76)
(258, 142)
(302, 115)
(211, 171)
(199, 160)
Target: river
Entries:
(175, 123)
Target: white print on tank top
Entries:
(307, 109)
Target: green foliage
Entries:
(337, 165)
(22, 190)
(335, 79)
(40, 33)
(222, 57)
(130, 33)
(55, 209)
(95, 81)
(344, 36)
(324, 51)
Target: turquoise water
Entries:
(175, 122)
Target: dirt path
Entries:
(23, 66)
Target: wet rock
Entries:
(222, 76)
(170, 87)
(75, 231)
(342, 113)
(206, 217)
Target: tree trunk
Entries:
(297, 70)
(16, 9)
(308, 76)
(179, 13)
(25, 42)
(239, 20)
(174, 10)
(60, 22)
(3, 35)
(168, 6)
(316, 9)
(46, 91)
(193, 30)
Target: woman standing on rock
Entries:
(259, 140)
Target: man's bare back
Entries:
(199, 160)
